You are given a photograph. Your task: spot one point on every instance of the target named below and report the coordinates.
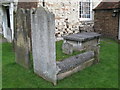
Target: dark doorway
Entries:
(8, 16)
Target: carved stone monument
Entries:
(43, 44)
(22, 37)
(81, 41)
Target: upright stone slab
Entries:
(43, 44)
(22, 37)
(1, 19)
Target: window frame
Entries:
(80, 6)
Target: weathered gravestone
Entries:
(22, 37)
(81, 41)
(43, 44)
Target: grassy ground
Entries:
(102, 75)
(0, 66)
(60, 55)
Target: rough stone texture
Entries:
(0, 19)
(1, 28)
(105, 24)
(27, 5)
(67, 20)
(74, 61)
(96, 49)
(64, 12)
(5, 30)
(93, 42)
(81, 41)
(43, 44)
(22, 37)
(82, 37)
(9, 34)
(6, 1)
(86, 26)
(76, 69)
(67, 48)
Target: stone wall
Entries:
(106, 24)
(27, 5)
(66, 12)
(67, 19)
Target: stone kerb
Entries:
(80, 41)
(43, 44)
(74, 64)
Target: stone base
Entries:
(67, 48)
(22, 57)
(77, 45)
(80, 41)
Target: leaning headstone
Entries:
(22, 37)
(43, 44)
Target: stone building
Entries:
(107, 19)
(71, 16)
(7, 8)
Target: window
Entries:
(85, 12)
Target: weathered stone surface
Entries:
(108, 26)
(9, 34)
(22, 38)
(74, 61)
(82, 37)
(93, 42)
(43, 44)
(86, 26)
(81, 41)
(67, 20)
(76, 45)
(67, 48)
(76, 69)
(94, 48)
(0, 19)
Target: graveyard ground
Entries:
(102, 75)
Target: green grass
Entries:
(102, 75)
(1, 36)
(0, 66)
(60, 55)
